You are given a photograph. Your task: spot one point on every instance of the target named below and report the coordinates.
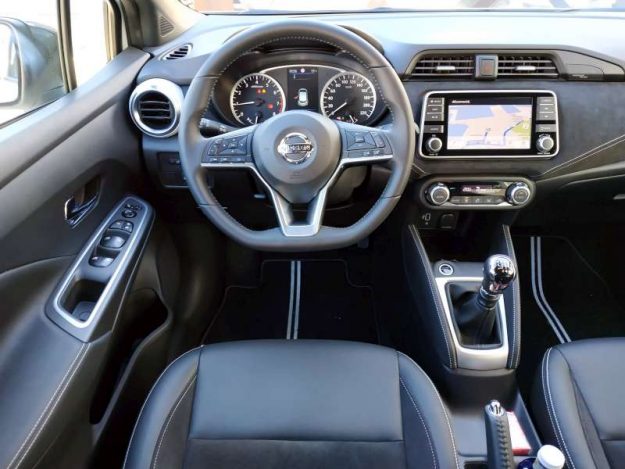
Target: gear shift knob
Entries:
(499, 273)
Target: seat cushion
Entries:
(292, 404)
(578, 402)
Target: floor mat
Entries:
(259, 312)
(578, 294)
(331, 307)
(297, 300)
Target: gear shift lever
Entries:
(499, 273)
(476, 318)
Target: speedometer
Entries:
(348, 97)
(255, 98)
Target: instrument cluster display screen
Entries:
(489, 123)
(303, 88)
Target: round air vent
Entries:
(155, 106)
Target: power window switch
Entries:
(101, 261)
(112, 242)
(117, 225)
(127, 227)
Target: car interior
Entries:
(288, 234)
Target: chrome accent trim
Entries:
(121, 263)
(473, 358)
(168, 89)
(316, 206)
(472, 157)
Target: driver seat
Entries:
(295, 404)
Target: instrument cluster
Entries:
(338, 93)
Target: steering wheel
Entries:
(298, 155)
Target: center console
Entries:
(489, 124)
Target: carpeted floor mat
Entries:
(578, 294)
(332, 307)
(312, 299)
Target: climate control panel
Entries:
(477, 193)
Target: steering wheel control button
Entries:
(438, 194)
(112, 241)
(361, 141)
(295, 147)
(446, 269)
(101, 261)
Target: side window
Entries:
(30, 63)
(88, 37)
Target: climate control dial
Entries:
(518, 194)
(438, 194)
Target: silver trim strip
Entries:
(472, 157)
(316, 206)
(473, 358)
(298, 291)
(289, 322)
(539, 294)
(121, 262)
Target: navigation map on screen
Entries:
(489, 126)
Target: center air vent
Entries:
(177, 53)
(526, 66)
(155, 107)
(444, 66)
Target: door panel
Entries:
(49, 376)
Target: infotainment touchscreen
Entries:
(489, 123)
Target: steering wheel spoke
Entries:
(230, 150)
(364, 145)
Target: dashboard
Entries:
(572, 63)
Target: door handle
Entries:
(81, 203)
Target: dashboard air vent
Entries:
(444, 66)
(177, 53)
(526, 66)
(155, 107)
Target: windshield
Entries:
(283, 6)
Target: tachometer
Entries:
(348, 97)
(255, 98)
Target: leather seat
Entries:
(296, 404)
(578, 402)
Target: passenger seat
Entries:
(578, 402)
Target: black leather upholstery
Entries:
(289, 404)
(578, 402)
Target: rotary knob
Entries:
(518, 194)
(545, 143)
(438, 194)
(434, 144)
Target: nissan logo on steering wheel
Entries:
(295, 148)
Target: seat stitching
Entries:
(148, 398)
(555, 415)
(427, 433)
(54, 399)
(170, 418)
(435, 297)
(440, 400)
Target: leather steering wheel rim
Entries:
(400, 136)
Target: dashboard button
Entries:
(433, 129)
(434, 117)
(439, 101)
